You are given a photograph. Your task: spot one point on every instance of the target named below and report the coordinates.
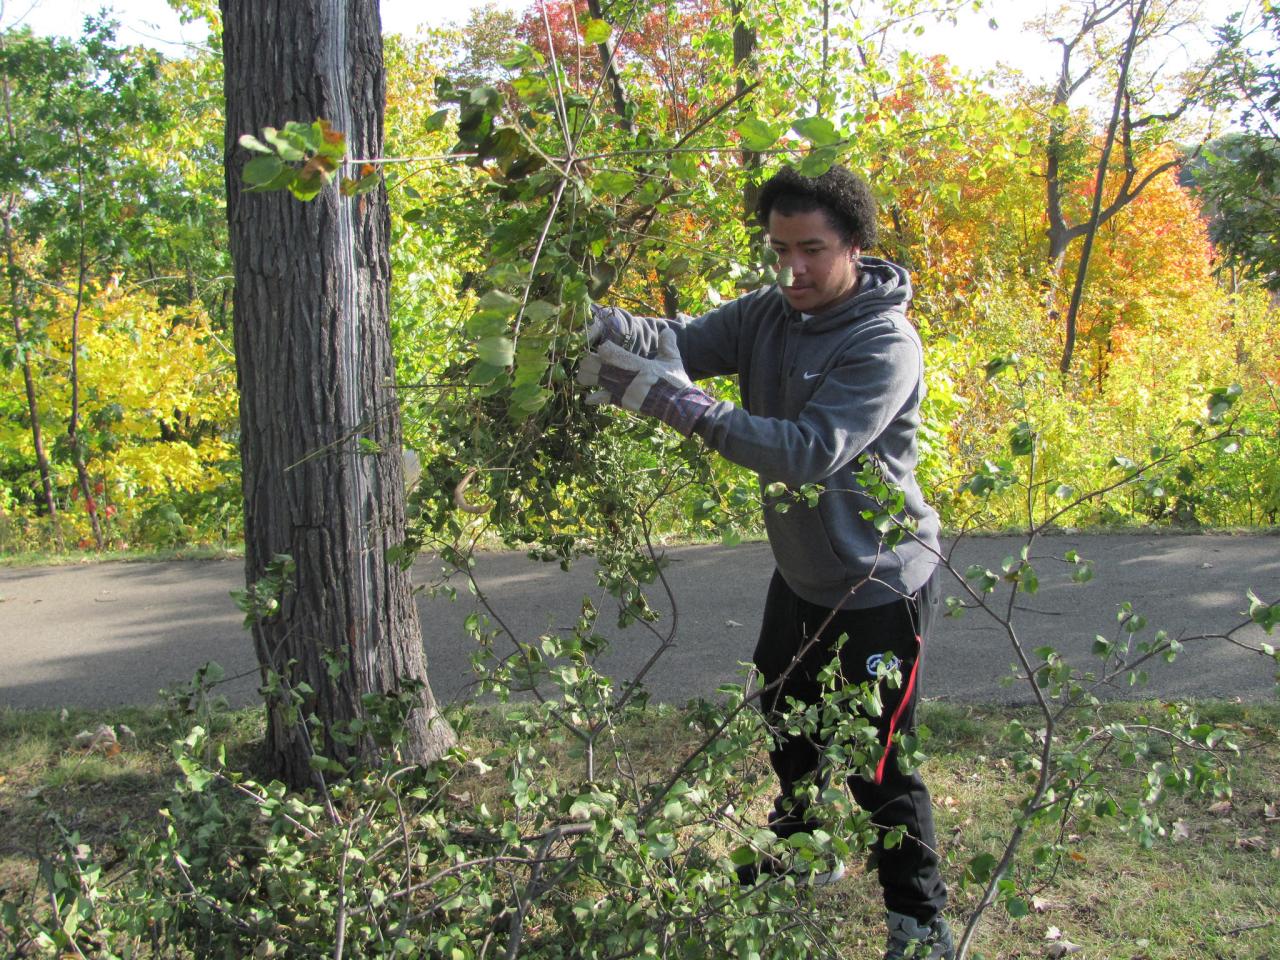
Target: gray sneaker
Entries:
(909, 938)
(772, 866)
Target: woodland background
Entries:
(118, 417)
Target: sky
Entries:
(971, 44)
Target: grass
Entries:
(55, 558)
(1212, 891)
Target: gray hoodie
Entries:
(817, 392)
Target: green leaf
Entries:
(496, 351)
(437, 120)
(332, 143)
(603, 276)
(743, 856)
(538, 311)
(492, 313)
(613, 183)
(250, 142)
(528, 398)
(290, 147)
(365, 184)
(980, 868)
(262, 170)
(997, 365)
(685, 165)
(307, 188)
(1022, 440)
(756, 134)
(819, 131)
(484, 373)
(819, 161)
(596, 31)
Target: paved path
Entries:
(98, 635)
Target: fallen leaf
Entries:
(1181, 830)
(103, 738)
(1053, 933)
(1271, 812)
(1062, 948)
(1275, 853)
(127, 736)
(1041, 905)
(1077, 857)
(1251, 843)
(62, 716)
(1221, 808)
(732, 623)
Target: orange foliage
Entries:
(656, 43)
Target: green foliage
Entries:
(1241, 176)
(1241, 182)
(302, 158)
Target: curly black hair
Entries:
(839, 193)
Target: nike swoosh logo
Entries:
(812, 376)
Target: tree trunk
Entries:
(314, 367)
(1095, 217)
(610, 67)
(16, 312)
(16, 309)
(744, 48)
(73, 420)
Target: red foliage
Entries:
(657, 43)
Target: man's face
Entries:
(824, 267)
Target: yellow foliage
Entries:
(157, 391)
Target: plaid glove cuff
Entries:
(678, 407)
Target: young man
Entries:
(830, 369)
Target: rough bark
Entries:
(315, 372)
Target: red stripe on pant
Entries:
(901, 709)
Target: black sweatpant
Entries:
(909, 872)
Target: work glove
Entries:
(656, 387)
(610, 325)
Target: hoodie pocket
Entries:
(801, 544)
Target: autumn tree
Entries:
(1118, 45)
(320, 427)
(72, 192)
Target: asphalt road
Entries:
(99, 635)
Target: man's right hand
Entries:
(610, 325)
